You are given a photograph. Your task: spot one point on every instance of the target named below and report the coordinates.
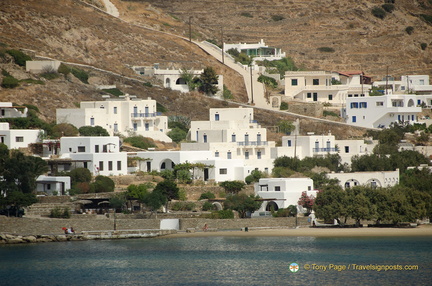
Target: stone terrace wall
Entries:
(35, 226)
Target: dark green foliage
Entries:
(330, 113)
(206, 196)
(148, 84)
(207, 206)
(330, 161)
(242, 203)
(290, 211)
(376, 162)
(64, 129)
(5, 73)
(409, 30)
(177, 134)
(49, 73)
(64, 69)
(222, 214)
(279, 66)
(388, 7)
(246, 14)
(102, 184)
(114, 91)
(277, 18)
(233, 52)
(227, 94)
(336, 82)
(326, 49)
(378, 12)
(286, 126)
(19, 57)
(155, 200)
(80, 74)
(59, 212)
(160, 107)
(31, 107)
(240, 57)
(168, 189)
(93, 131)
(9, 82)
(30, 80)
(321, 180)
(423, 46)
(214, 42)
(283, 105)
(183, 206)
(140, 142)
(32, 121)
(254, 176)
(168, 175)
(268, 81)
(80, 175)
(209, 79)
(232, 187)
(118, 201)
(426, 18)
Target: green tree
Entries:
(232, 187)
(209, 79)
(9, 82)
(140, 142)
(306, 202)
(80, 175)
(93, 131)
(177, 135)
(359, 204)
(18, 200)
(242, 204)
(254, 176)
(168, 189)
(118, 202)
(331, 203)
(155, 200)
(286, 126)
(102, 184)
(64, 129)
(189, 78)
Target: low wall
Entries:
(38, 226)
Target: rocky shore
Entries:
(16, 239)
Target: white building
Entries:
(18, 138)
(372, 179)
(101, 155)
(125, 115)
(316, 86)
(172, 77)
(53, 185)
(259, 51)
(310, 145)
(7, 110)
(381, 111)
(282, 192)
(232, 133)
(218, 169)
(349, 148)
(42, 66)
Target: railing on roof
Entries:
(148, 114)
(324, 150)
(252, 143)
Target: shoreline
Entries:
(423, 230)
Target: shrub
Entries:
(140, 142)
(49, 72)
(183, 206)
(388, 7)
(409, 30)
(246, 14)
(58, 212)
(30, 80)
(223, 214)
(329, 113)
(227, 94)
(19, 57)
(102, 184)
(426, 18)
(206, 196)
(80, 74)
(277, 18)
(378, 12)
(283, 105)
(177, 134)
(207, 206)
(113, 91)
(268, 81)
(9, 82)
(148, 84)
(5, 73)
(326, 49)
(160, 107)
(423, 46)
(64, 69)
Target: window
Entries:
(259, 155)
(119, 165)
(147, 128)
(247, 155)
(309, 95)
(289, 143)
(105, 148)
(355, 95)
(216, 117)
(330, 97)
(216, 154)
(96, 148)
(346, 149)
(101, 165)
(135, 126)
(19, 139)
(363, 104)
(110, 165)
(92, 121)
(135, 111)
(233, 138)
(48, 186)
(294, 82)
(223, 171)
(277, 188)
(115, 109)
(258, 139)
(380, 103)
(81, 149)
(102, 107)
(115, 127)
(315, 81)
(205, 138)
(229, 155)
(354, 119)
(354, 104)
(309, 188)
(349, 95)
(246, 139)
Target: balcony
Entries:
(252, 143)
(145, 115)
(324, 150)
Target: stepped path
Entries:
(44, 209)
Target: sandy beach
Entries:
(424, 230)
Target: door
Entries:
(206, 174)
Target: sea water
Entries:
(221, 261)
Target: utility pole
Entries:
(386, 81)
(190, 28)
(222, 40)
(252, 101)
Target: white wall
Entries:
(17, 138)
(51, 184)
(378, 179)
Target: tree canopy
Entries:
(93, 131)
(242, 204)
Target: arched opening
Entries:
(351, 183)
(180, 80)
(167, 164)
(218, 206)
(275, 102)
(410, 103)
(271, 206)
(168, 83)
(374, 183)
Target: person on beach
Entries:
(205, 227)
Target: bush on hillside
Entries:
(378, 12)
(206, 196)
(9, 82)
(268, 81)
(423, 46)
(19, 57)
(283, 105)
(326, 49)
(409, 30)
(80, 74)
(388, 7)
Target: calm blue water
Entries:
(217, 261)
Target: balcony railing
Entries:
(316, 150)
(252, 143)
(143, 115)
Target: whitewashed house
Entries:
(232, 133)
(101, 155)
(53, 185)
(349, 148)
(18, 138)
(310, 145)
(259, 51)
(381, 111)
(280, 193)
(317, 86)
(7, 110)
(372, 179)
(125, 115)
